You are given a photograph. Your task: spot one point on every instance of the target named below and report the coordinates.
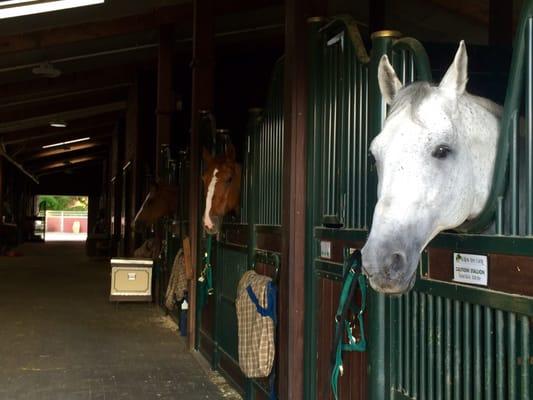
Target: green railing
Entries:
(442, 340)
(236, 250)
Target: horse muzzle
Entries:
(389, 272)
(212, 225)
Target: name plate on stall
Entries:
(325, 249)
(470, 268)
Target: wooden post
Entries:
(291, 346)
(165, 106)
(2, 184)
(202, 99)
(500, 22)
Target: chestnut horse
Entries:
(162, 201)
(222, 186)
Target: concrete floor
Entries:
(60, 338)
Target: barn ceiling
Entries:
(97, 50)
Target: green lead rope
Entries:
(353, 279)
(206, 277)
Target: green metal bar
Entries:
(511, 356)
(401, 352)
(313, 199)
(513, 179)
(502, 301)
(431, 348)
(500, 356)
(379, 385)
(488, 350)
(513, 96)
(525, 370)
(457, 353)
(408, 351)
(448, 355)
(478, 340)
(415, 332)
(467, 351)
(421, 59)
(529, 129)
(423, 347)
(439, 340)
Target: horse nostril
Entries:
(398, 262)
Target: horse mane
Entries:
(487, 104)
(415, 93)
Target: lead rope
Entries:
(206, 276)
(353, 279)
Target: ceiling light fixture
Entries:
(58, 124)
(17, 8)
(48, 146)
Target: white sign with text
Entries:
(470, 268)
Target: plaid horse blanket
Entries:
(177, 284)
(256, 314)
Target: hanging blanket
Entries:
(177, 284)
(256, 314)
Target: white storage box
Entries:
(131, 279)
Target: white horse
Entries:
(435, 159)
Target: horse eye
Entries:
(441, 151)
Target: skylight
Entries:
(17, 8)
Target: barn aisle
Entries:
(60, 338)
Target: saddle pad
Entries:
(256, 332)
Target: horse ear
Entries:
(208, 158)
(230, 152)
(389, 84)
(456, 77)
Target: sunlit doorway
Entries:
(62, 218)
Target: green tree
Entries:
(64, 203)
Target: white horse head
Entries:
(435, 158)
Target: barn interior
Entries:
(89, 96)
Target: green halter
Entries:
(353, 279)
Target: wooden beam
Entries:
(2, 184)
(95, 30)
(66, 157)
(76, 147)
(18, 166)
(36, 138)
(203, 78)
(68, 162)
(77, 164)
(39, 89)
(165, 98)
(63, 104)
(183, 13)
(292, 282)
(44, 120)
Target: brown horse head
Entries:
(222, 186)
(162, 201)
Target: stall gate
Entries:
(250, 240)
(442, 340)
